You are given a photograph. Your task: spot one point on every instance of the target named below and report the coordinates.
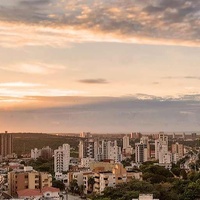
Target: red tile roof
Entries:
(29, 192)
(50, 189)
(36, 192)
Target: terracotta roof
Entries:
(36, 192)
(50, 189)
(29, 192)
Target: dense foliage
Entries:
(42, 165)
(24, 142)
(162, 183)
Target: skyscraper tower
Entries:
(86, 146)
(6, 144)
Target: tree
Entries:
(58, 184)
(73, 186)
(91, 183)
(81, 190)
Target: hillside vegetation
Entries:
(24, 142)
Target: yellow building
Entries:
(20, 180)
(115, 176)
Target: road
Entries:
(70, 197)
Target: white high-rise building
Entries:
(108, 150)
(161, 149)
(62, 158)
(114, 152)
(126, 142)
(35, 153)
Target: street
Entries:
(71, 197)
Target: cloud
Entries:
(58, 23)
(31, 91)
(155, 83)
(182, 77)
(94, 81)
(192, 77)
(33, 68)
(112, 115)
(20, 84)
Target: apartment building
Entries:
(86, 146)
(178, 149)
(108, 150)
(141, 152)
(35, 153)
(6, 144)
(23, 179)
(105, 179)
(88, 188)
(46, 152)
(62, 158)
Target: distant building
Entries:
(177, 151)
(146, 197)
(194, 136)
(6, 144)
(125, 142)
(108, 150)
(151, 150)
(46, 153)
(140, 152)
(86, 146)
(136, 135)
(161, 149)
(35, 153)
(62, 158)
(127, 149)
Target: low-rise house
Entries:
(36, 194)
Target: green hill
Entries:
(24, 142)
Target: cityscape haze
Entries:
(100, 99)
(102, 66)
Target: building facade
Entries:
(35, 153)
(6, 144)
(62, 158)
(20, 180)
(140, 152)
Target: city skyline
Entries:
(99, 66)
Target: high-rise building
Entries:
(62, 158)
(114, 152)
(35, 153)
(178, 149)
(46, 153)
(140, 153)
(126, 142)
(6, 144)
(151, 150)
(163, 138)
(86, 146)
(161, 145)
(161, 149)
(108, 150)
(134, 135)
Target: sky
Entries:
(99, 65)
